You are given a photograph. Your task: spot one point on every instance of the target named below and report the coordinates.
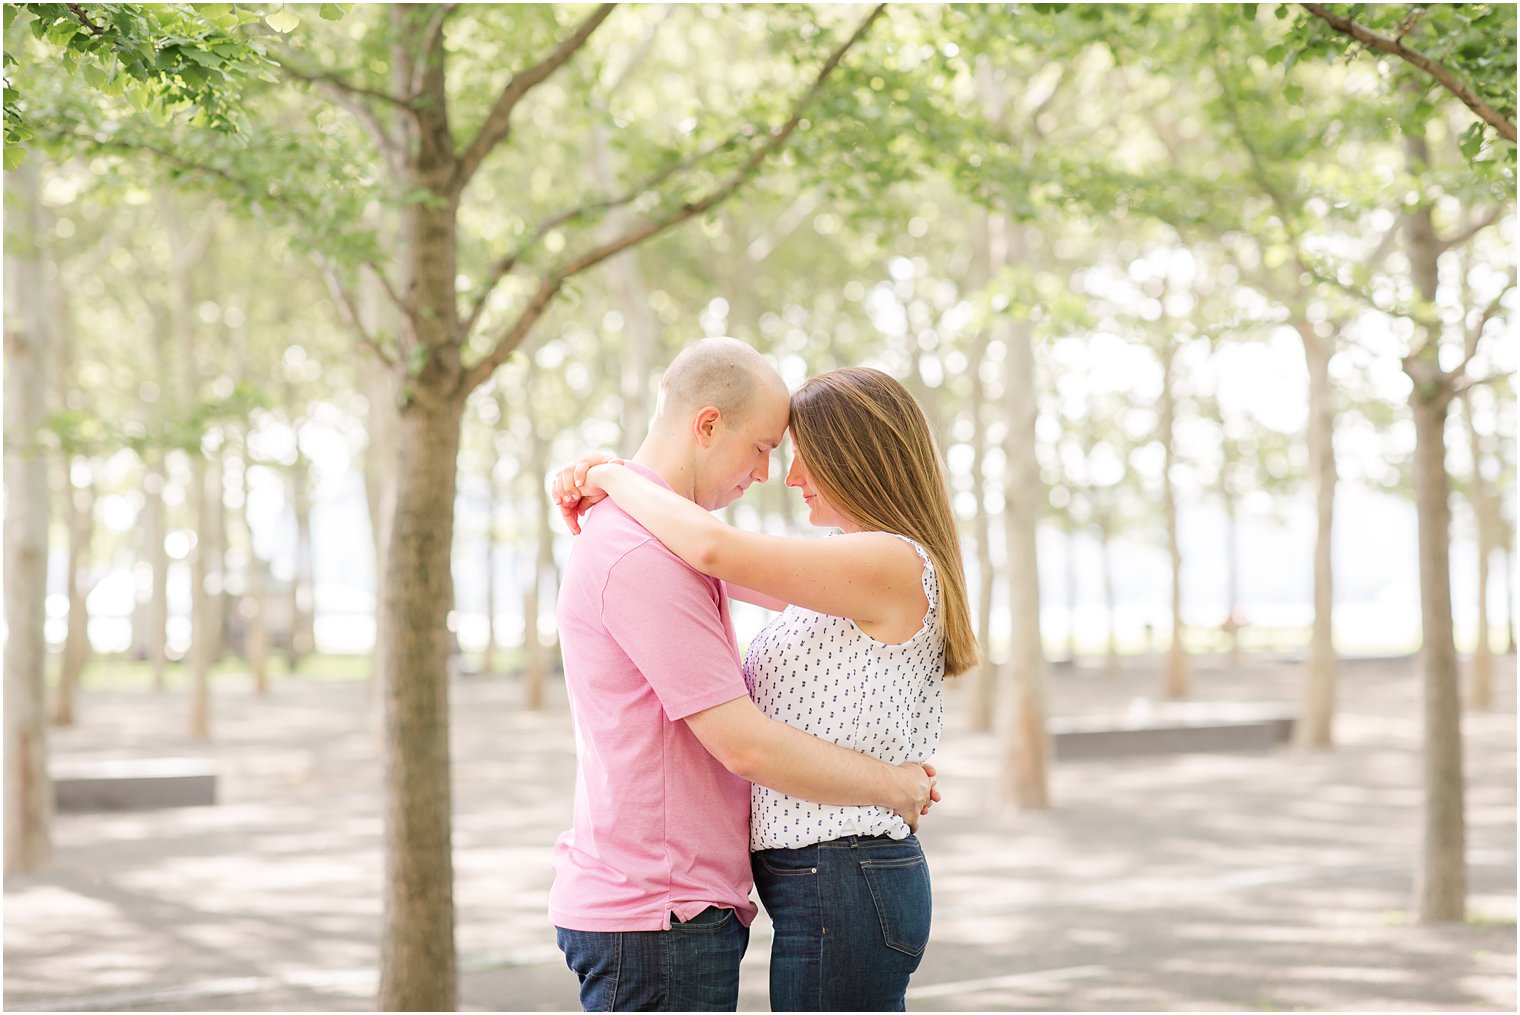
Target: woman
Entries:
(874, 620)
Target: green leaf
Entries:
(14, 154)
(333, 12)
(282, 21)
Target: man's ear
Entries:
(706, 424)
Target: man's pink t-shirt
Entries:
(660, 826)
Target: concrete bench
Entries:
(136, 784)
(1172, 728)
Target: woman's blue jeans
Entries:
(851, 920)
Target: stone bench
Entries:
(135, 784)
(1172, 728)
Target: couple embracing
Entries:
(802, 771)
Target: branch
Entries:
(504, 266)
(1463, 387)
(432, 37)
(390, 290)
(498, 121)
(84, 19)
(1474, 333)
(785, 225)
(340, 84)
(1447, 80)
(552, 283)
(1484, 221)
(345, 300)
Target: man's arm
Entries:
(652, 602)
(771, 753)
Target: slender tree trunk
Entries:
(493, 459)
(1508, 543)
(1441, 885)
(200, 603)
(417, 952)
(1176, 658)
(1316, 726)
(28, 334)
(1069, 526)
(80, 503)
(984, 700)
(417, 957)
(182, 327)
(1026, 762)
(380, 490)
(536, 655)
(302, 623)
(216, 559)
(1110, 607)
(1481, 679)
(252, 608)
(1232, 575)
(1441, 889)
(158, 560)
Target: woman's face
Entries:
(820, 511)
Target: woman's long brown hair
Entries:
(869, 450)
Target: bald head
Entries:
(721, 372)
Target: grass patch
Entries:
(122, 673)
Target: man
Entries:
(652, 883)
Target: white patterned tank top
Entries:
(825, 676)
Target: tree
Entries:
(444, 351)
(1480, 72)
(191, 59)
(29, 333)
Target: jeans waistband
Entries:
(845, 842)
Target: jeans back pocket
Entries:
(900, 889)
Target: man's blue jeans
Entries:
(851, 918)
(693, 966)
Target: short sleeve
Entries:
(668, 619)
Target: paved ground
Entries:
(1189, 882)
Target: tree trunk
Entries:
(200, 602)
(256, 627)
(380, 490)
(28, 335)
(417, 953)
(302, 623)
(1441, 885)
(80, 504)
(158, 558)
(1026, 752)
(1509, 589)
(1316, 726)
(1441, 888)
(417, 949)
(493, 462)
(183, 329)
(1069, 527)
(1232, 575)
(536, 655)
(1481, 680)
(1176, 657)
(1110, 606)
(216, 558)
(984, 694)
